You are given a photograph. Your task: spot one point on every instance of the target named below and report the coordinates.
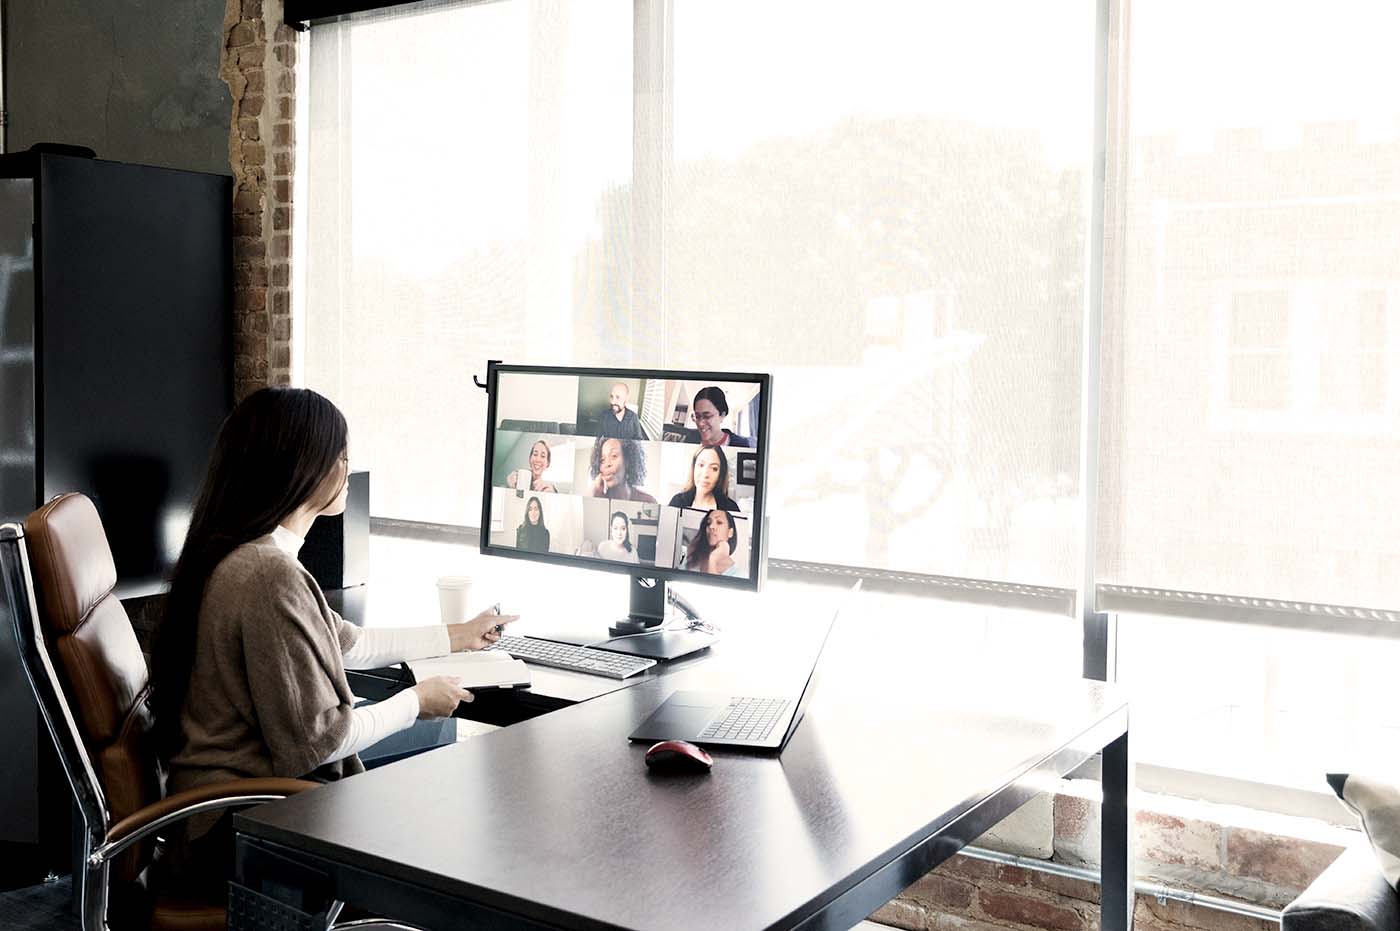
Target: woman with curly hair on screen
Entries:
(617, 468)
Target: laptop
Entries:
(724, 720)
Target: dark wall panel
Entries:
(134, 337)
(135, 80)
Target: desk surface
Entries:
(370, 606)
(556, 820)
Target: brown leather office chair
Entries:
(87, 671)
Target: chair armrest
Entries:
(1350, 895)
(235, 793)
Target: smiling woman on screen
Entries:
(709, 409)
(707, 485)
(539, 461)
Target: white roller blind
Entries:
(465, 162)
(1251, 397)
(881, 203)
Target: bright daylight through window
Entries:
(886, 206)
(1251, 390)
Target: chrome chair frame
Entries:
(100, 844)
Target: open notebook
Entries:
(477, 670)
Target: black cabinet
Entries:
(116, 286)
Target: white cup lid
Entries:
(454, 581)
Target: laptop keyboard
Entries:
(746, 719)
(568, 656)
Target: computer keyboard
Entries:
(746, 719)
(568, 656)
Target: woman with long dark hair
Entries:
(712, 548)
(618, 546)
(707, 485)
(248, 666)
(532, 534)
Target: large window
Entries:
(468, 176)
(886, 205)
(1251, 411)
(895, 231)
(883, 204)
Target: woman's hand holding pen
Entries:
(481, 631)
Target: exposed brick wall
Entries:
(1204, 855)
(259, 66)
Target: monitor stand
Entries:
(647, 612)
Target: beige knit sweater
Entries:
(268, 694)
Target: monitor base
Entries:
(662, 645)
(641, 632)
(633, 625)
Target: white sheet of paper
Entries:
(477, 670)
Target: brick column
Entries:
(1193, 847)
(259, 65)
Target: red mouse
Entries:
(678, 756)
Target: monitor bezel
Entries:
(758, 520)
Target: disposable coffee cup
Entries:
(454, 598)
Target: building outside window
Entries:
(892, 217)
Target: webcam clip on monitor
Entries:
(656, 474)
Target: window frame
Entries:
(1094, 602)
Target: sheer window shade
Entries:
(882, 204)
(468, 194)
(1251, 390)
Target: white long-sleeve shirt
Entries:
(375, 647)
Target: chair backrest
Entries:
(99, 664)
(17, 604)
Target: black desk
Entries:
(555, 822)
(550, 689)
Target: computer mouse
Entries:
(678, 756)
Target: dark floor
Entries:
(46, 907)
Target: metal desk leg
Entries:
(1116, 840)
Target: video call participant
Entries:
(248, 667)
(539, 461)
(619, 546)
(617, 467)
(712, 549)
(707, 485)
(532, 534)
(709, 410)
(619, 420)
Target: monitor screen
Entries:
(659, 474)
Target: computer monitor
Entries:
(660, 475)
